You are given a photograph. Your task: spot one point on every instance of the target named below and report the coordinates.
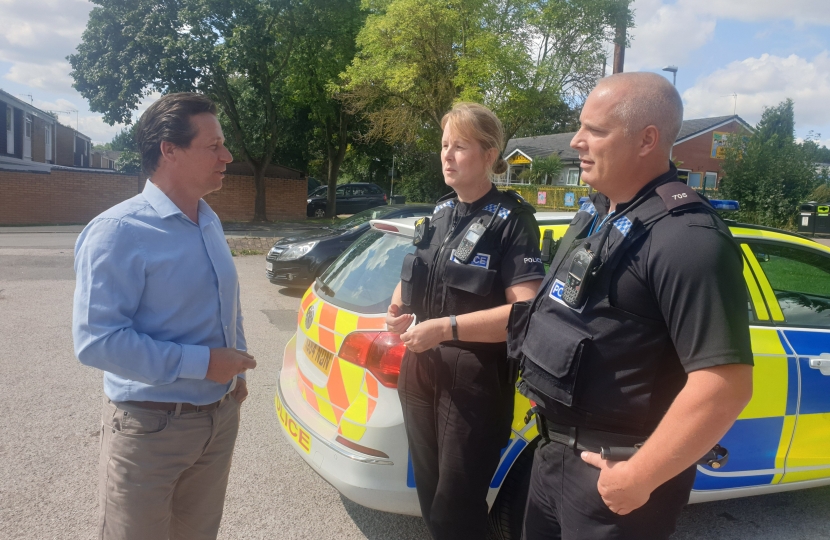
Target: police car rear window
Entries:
(363, 278)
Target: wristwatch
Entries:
(454, 326)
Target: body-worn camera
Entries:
(577, 283)
(421, 238)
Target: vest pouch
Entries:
(469, 278)
(517, 328)
(551, 352)
(413, 278)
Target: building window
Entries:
(683, 175)
(694, 179)
(573, 177)
(710, 180)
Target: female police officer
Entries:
(477, 255)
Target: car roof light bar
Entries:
(725, 205)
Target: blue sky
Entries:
(763, 50)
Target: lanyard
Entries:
(601, 223)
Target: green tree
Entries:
(129, 162)
(237, 52)
(768, 172)
(326, 47)
(124, 140)
(542, 169)
(521, 57)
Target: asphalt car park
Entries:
(51, 417)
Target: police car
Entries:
(337, 398)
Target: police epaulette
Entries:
(677, 196)
(523, 204)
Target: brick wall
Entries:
(696, 153)
(68, 197)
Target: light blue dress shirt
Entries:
(154, 293)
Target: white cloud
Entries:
(41, 31)
(801, 12)
(764, 82)
(666, 33)
(662, 35)
(51, 76)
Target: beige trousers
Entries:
(161, 476)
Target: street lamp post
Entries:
(673, 70)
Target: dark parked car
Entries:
(296, 261)
(351, 199)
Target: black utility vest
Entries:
(598, 361)
(434, 284)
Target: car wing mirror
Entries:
(762, 257)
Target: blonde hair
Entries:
(476, 122)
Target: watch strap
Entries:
(454, 326)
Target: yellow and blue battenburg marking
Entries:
(782, 434)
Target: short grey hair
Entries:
(647, 99)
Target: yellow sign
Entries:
(719, 144)
(518, 159)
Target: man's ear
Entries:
(168, 151)
(649, 140)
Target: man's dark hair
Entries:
(168, 119)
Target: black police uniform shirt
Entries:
(434, 284)
(683, 279)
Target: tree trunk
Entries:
(336, 154)
(259, 184)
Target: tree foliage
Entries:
(520, 57)
(768, 172)
(542, 169)
(234, 51)
(322, 53)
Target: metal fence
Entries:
(565, 198)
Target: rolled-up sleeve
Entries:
(110, 278)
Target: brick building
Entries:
(28, 133)
(697, 151)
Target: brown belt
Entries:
(171, 407)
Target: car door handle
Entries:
(821, 363)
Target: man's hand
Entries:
(427, 335)
(240, 391)
(618, 485)
(396, 321)
(226, 362)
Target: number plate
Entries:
(319, 356)
(292, 427)
(269, 266)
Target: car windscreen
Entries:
(319, 191)
(363, 278)
(360, 218)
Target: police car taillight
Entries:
(724, 205)
(379, 352)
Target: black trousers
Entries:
(563, 502)
(457, 407)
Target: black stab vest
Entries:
(599, 362)
(433, 285)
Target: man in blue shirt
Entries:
(157, 309)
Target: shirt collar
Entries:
(464, 209)
(668, 176)
(160, 202)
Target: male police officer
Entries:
(637, 349)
